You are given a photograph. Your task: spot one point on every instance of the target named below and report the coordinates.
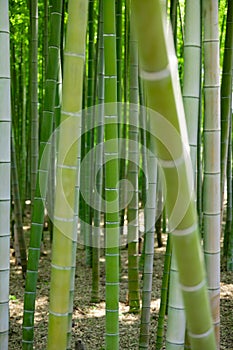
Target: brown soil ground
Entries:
(88, 318)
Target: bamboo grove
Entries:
(117, 115)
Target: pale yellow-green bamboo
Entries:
(150, 214)
(63, 249)
(212, 170)
(5, 165)
(167, 120)
(191, 79)
(176, 322)
(191, 95)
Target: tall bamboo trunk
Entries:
(159, 72)
(67, 176)
(133, 154)
(42, 178)
(226, 95)
(111, 179)
(34, 95)
(5, 164)
(212, 171)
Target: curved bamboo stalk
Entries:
(191, 94)
(212, 171)
(5, 164)
(159, 72)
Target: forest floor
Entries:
(88, 318)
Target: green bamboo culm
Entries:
(132, 176)
(95, 295)
(226, 116)
(18, 208)
(164, 294)
(173, 18)
(176, 321)
(88, 181)
(65, 225)
(34, 94)
(159, 72)
(227, 243)
(42, 178)
(123, 130)
(212, 156)
(191, 80)
(150, 213)
(226, 94)
(144, 157)
(5, 165)
(111, 179)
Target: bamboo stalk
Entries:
(34, 95)
(5, 164)
(42, 179)
(111, 178)
(159, 72)
(150, 210)
(95, 297)
(18, 208)
(65, 225)
(133, 155)
(212, 171)
(226, 92)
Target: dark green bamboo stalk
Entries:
(119, 20)
(18, 208)
(95, 297)
(34, 95)
(143, 142)
(23, 148)
(123, 130)
(164, 294)
(88, 181)
(173, 17)
(42, 178)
